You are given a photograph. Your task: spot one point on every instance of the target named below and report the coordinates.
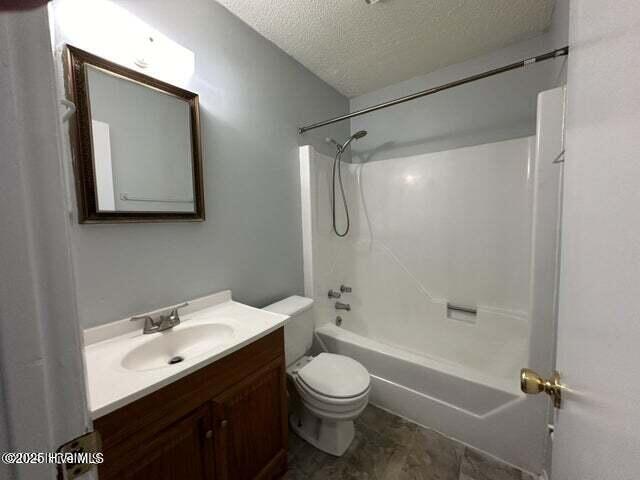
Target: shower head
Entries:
(360, 134)
(355, 136)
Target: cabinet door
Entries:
(251, 426)
(182, 451)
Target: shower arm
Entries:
(560, 52)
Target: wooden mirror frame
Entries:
(82, 141)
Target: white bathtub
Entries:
(471, 391)
(474, 408)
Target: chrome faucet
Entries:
(343, 306)
(164, 322)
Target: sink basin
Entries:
(174, 346)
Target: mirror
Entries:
(136, 144)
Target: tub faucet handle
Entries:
(345, 289)
(334, 294)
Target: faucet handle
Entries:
(174, 311)
(334, 294)
(150, 325)
(345, 289)
(173, 318)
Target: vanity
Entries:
(205, 399)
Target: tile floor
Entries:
(387, 447)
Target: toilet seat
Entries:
(336, 401)
(332, 386)
(325, 407)
(334, 378)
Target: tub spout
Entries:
(343, 306)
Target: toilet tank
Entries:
(298, 329)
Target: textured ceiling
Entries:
(358, 48)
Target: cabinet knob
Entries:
(224, 423)
(209, 434)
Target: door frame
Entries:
(42, 380)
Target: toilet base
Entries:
(332, 437)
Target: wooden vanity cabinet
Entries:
(250, 440)
(182, 450)
(226, 421)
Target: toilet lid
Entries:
(335, 376)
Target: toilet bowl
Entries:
(330, 390)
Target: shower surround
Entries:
(474, 226)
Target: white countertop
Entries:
(111, 385)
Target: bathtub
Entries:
(477, 409)
(451, 384)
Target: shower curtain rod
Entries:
(560, 52)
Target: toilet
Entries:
(332, 390)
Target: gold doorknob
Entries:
(531, 383)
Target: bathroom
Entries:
(384, 243)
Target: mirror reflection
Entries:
(138, 166)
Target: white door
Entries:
(598, 351)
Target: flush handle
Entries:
(532, 383)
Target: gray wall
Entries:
(253, 97)
(489, 110)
